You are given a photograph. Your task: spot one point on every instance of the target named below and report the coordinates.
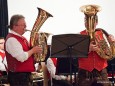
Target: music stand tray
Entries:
(69, 46)
(63, 44)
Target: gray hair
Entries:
(14, 19)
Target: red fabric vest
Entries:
(2, 55)
(55, 63)
(93, 61)
(15, 65)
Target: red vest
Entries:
(2, 55)
(93, 61)
(54, 61)
(15, 65)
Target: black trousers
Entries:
(93, 78)
(19, 78)
(3, 77)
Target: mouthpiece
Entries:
(38, 32)
(27, 30)
(30, 31)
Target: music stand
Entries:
(69, 46)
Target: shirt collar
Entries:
(1, 50)
(13, 32)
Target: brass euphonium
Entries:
(90, 12)
(40, 40)
(107, 49)
(42, 36)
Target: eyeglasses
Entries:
(21, 25)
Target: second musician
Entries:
(92, 70)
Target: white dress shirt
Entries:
(14, 48)
(52, 70)
(2, 63)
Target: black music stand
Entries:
(70, 46)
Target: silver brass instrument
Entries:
(106, 51)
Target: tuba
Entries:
(42, 36)
(107, 48)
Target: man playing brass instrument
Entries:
(19, 55)
(92, 70)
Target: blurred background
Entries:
(67, 18)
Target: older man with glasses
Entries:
(19, 55)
